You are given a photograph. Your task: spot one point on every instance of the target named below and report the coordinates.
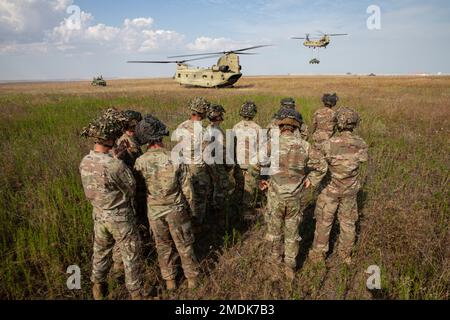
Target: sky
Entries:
(43, 40)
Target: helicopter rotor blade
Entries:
(239, 51)
(173, 61)
(338, 34)
(298, 38)
(151, 61)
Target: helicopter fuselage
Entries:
(226, 73)
(321, 43)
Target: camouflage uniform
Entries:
(324, 121)
(167, 214)
(246, 187)
(289, 103)
(220, 173)
(286, 189)
(110, 187)
(128, 150)
(196, 180)
(344, 153)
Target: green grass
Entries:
(46, 223)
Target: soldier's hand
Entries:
(263, 185)
(121, 149)
(307, 184)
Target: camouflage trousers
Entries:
(245, 188)
(125, 234)
(143, 228)
(196, 185)
(221, 184)
(283, 224)
(347, 214)
(175, 228)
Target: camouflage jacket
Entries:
(241, 132)
(109, 185)
(296, 158)
(323, 124)
(187, 128)
(300, 133)
(132, 153)
(344, 153)
(210, 138)
(162, 177)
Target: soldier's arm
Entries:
(123, 178)
(304, 131)
(318, 165)
(363, 152)
(313, 125)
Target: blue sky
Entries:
(36, 44)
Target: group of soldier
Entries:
(121, 182)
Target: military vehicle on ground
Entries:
(224, 74)
(316, 44)
(98, 81)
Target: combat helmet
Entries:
(248, 110)
(290, 117)
(150, 130)
(199, 105)
(330, 100)
(288, 103)
(215, 112)
(107, 127)
(134, 118)
(347, 119)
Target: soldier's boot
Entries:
(171, 285)
(139, 295)
(345, 258)
(100, 291)
(290, 272)
(192, 283)
(316, 257)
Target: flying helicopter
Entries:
(225, 73)
(317, 43)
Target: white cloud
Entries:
(215, 44)
(27, 20)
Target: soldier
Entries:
(196, 178)
(344, 152)
(245, 183)
(110, 186)
(128, 150)
(219, 170)
(127, 146)
(287, 186)
(324, 120)
(167, 207)
(289, 103)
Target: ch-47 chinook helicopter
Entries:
(225, 73)
(316, 44)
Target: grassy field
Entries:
(45, 221)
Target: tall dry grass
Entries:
(404, 227)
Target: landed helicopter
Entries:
(224, 74)
(317, 44)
